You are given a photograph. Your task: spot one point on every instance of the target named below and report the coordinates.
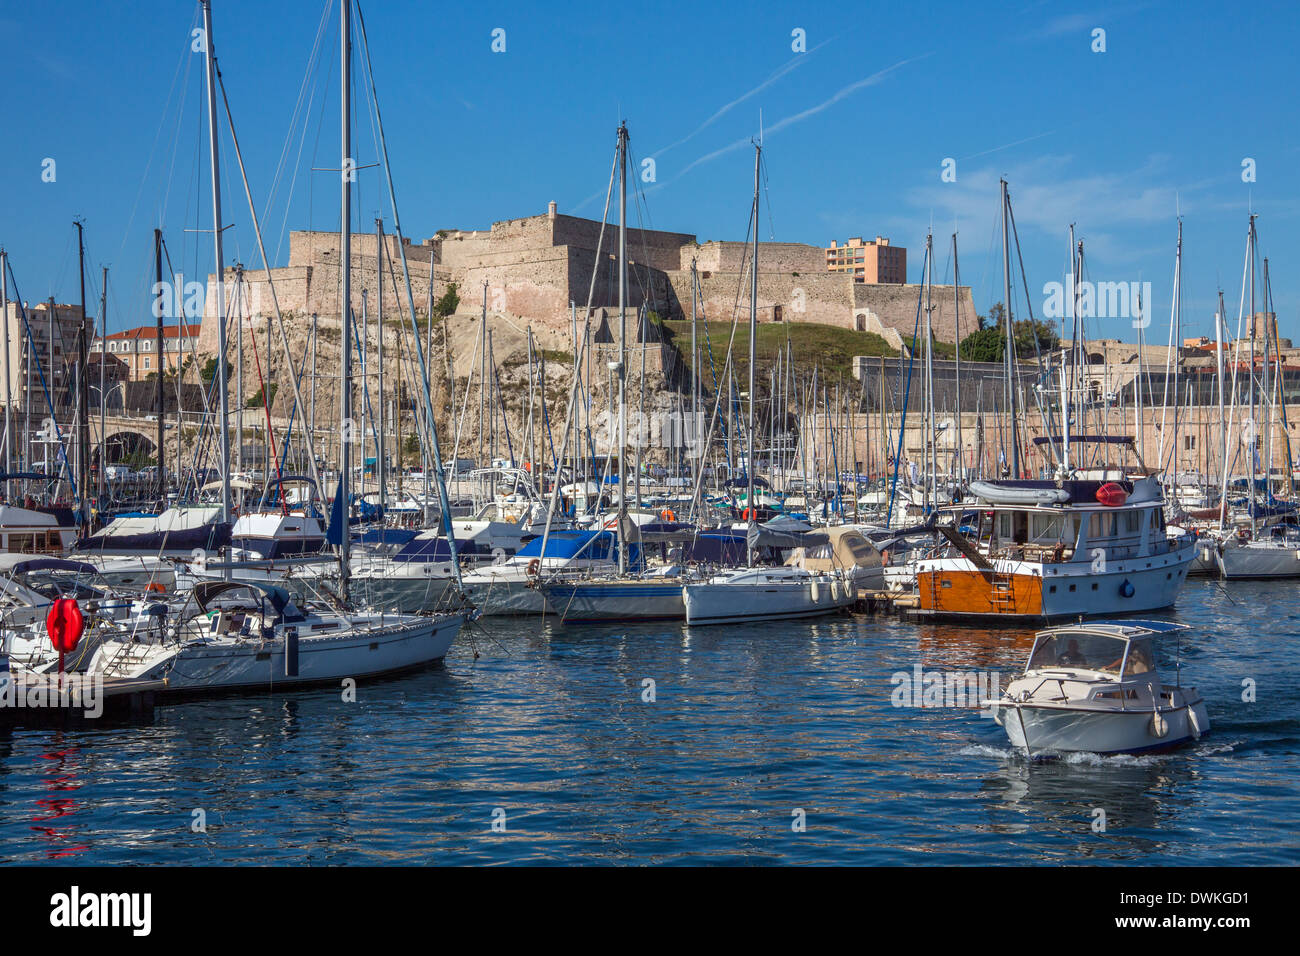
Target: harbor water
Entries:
(658, 744)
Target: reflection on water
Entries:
(659, 743)
(55, 820)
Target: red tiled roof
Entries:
(151, 332)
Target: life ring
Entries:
(533, 567)
(156, 587)
(667, 514)
(747, 515)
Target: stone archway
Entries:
(131, 448)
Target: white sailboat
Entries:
(231, 635)
(762, 593)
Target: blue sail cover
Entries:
(338, 525)
(722, 548)
(593, 545)
(437, 549)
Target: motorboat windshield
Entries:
(1090, 651)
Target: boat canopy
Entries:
(1108, 647)
(667, 532)
(381, 536)
(433, 548)
(253, 596)
(847, 548)
(715, 547)
(785, 532)
(24, 563)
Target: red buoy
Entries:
(1112, 495)
(65, 625)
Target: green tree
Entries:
(448, 303)
(256, 400)
(989, 343)
(209, 371)
(983, 346)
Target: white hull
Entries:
(134, 572)
(1259, 559)
(405, 595)
(373, 646)
(1062, 729)
(777, 598)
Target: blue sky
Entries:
(857, 129)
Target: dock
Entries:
(886, 602)
(34, 700)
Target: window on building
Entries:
(146, 361)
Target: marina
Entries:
(389, 479)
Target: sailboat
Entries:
(1259, 549)
(238, 634)
(761, 593)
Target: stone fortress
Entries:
(537, 267)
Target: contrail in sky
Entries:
(781, 124)
(722, 111)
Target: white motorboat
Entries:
(1094, 688)
(1106, 551)
(232, 635)
(36, 530)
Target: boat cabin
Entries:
(1077, 527)
(1102, 649)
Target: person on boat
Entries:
(1139, 660)
(1072, 656)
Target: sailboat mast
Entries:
(621, 438)
(956, 318)
(1219, 320)
(9, 417)
(345, 281)
(1254, 428)
(83, 390)
(931, 457)
(380, 470)
(1010, 408)
(215, 164)
(162, 459)
(753, 336)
